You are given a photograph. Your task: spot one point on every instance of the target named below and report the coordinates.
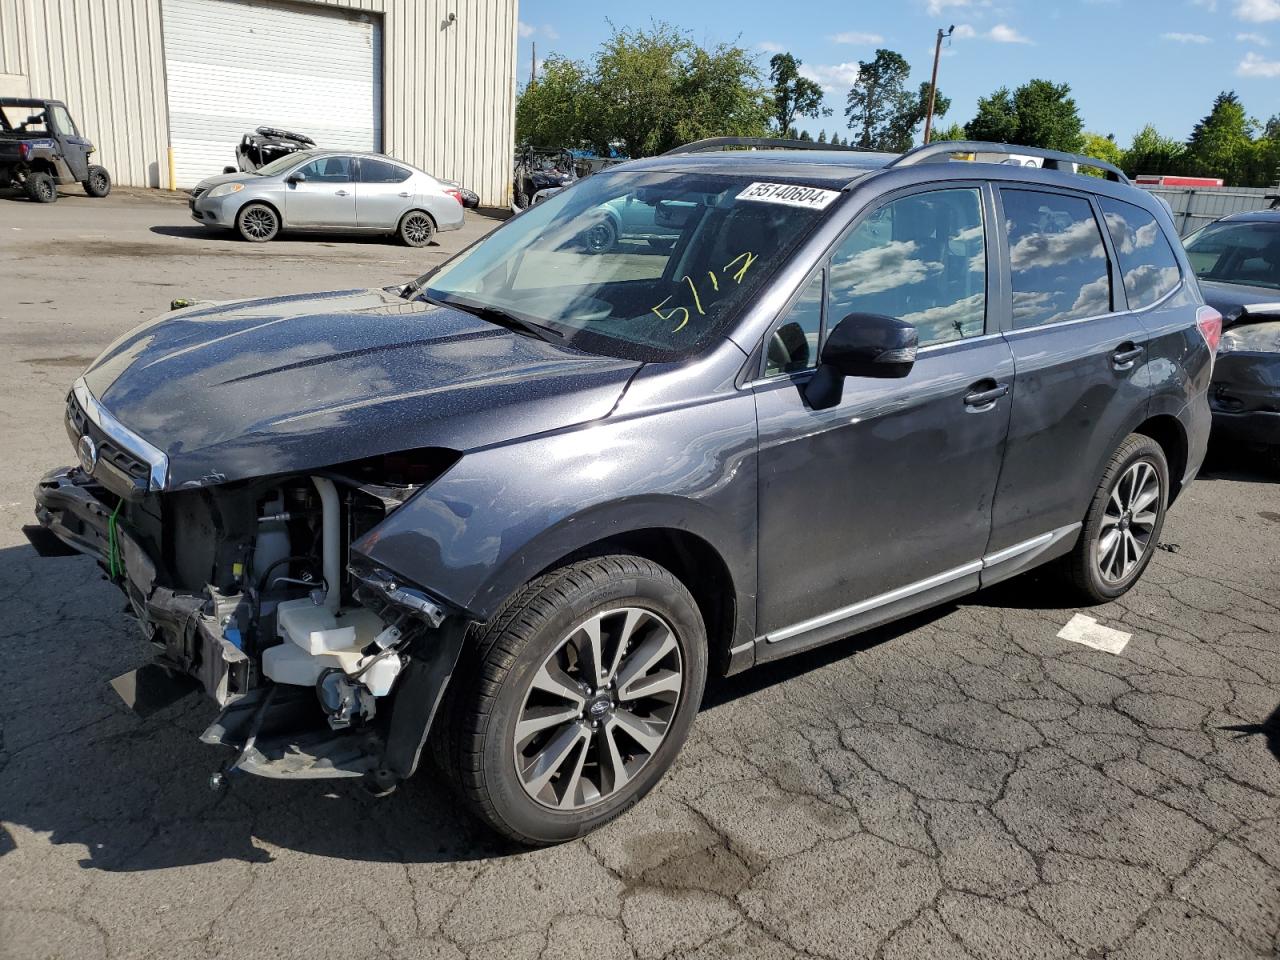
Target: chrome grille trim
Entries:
(128, 442)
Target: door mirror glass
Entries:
(862, 345)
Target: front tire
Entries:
(1123, 523)
(600, 237)
(98, 182)
(257, 222)
(42, 188)
(574, 699)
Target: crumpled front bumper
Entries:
(184, 626)
(1245, 397)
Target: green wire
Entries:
(114, 567)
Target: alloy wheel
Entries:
(259, 223)
(1128, 522)
(417, 230)
(599, 238)
(598, 708)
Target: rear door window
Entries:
(1146, 259)
(379, 171)
(1057, 260)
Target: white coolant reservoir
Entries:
(317, 640)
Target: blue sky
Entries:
(1128, 63)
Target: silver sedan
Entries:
(330, 191)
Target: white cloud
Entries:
(1255, 65)
(858, 38)
(936, 7)
(770, 46)
(527, 30)
(1002, 33)
(830, 76)
(965, 31)
(1185, 38)
(1258, 11)
(1256, 39)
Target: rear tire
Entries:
(501, 729)
(257, 222)
(600, 237)
(416, 229)
(98, 182)
(1123, 523)
(42, 188)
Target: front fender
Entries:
(503, 514)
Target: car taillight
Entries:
(456, 194)
(24, 151)
(1209, 321)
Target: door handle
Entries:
(406, 195)
(341, 193)
(984, 395)
(1126, 355)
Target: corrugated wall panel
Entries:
(448, 88)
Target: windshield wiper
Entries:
(503, 318)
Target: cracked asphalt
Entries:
(959, 785)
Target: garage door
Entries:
(233, 66)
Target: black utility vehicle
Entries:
(1237, 260)
(521, 506)
(41, 148)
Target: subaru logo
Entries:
(87, 452)
(598, 709)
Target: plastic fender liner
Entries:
(418, 694)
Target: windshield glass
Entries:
(1244, 251)
(283, 163)
(645, 266)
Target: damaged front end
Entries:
(325, 665)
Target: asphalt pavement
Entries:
(965, 784)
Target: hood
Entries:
(1230, 299)
(271, 386)
(208, 183)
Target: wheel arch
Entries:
(273, 207)
(694, 562)
(1166, 430)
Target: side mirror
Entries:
(229, 170)
(296, 178)
(861, 345)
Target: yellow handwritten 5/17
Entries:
(745, 259)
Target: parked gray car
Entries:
(521, 507)
(330, 191)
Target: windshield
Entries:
(283, 163)
(1243, 251)
(644, 266)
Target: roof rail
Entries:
(942, 149)
(767, 143)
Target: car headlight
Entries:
(225, 190)
(1253, 337)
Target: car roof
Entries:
(833, 168)
(1262, 216)
(26, 102)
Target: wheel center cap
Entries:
(1124, 522)
(598, 707)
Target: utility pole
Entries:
(533, 62)
(933, 84)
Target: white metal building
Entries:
(166, 88)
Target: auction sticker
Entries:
(789, 195)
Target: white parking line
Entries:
(1086, 630)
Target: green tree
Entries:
(1221, 145)
(905, 125)
(996, 120)
(878, 101)
(793, 95)
(1152, 153)
(822, 135)
(644, 91)
(556, 110)
(1101, 148)
(954, 132)
(1038, 114)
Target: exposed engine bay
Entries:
(249, 591)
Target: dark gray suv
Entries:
(517, 509)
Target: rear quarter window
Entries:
(1147, 261)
